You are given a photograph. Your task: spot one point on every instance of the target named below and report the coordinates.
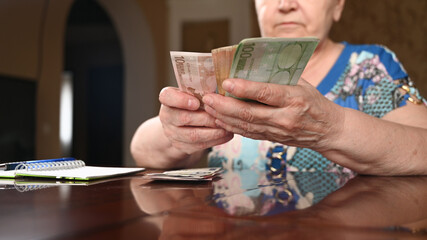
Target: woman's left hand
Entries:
(293, 115)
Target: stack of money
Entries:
(222, 60)
(268, 60)
(193, 174)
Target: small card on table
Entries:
(194, 174)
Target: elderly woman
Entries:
(354, 107)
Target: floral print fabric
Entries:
(368, 78)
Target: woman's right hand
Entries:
(188, 128)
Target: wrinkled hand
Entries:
(293, 115)
(188, 128)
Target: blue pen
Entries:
(13, 165)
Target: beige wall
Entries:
(156, 14)
(20, 38)
(49, 82)
(142, 39)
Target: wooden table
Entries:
(241, 205)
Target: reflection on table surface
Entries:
(248, 203)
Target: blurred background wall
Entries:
(115, 56)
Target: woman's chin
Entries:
(286, 33)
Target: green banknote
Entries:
(272, 60)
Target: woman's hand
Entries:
(188, 128)
(179, 136)
(292, 115)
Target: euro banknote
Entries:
(194, 72)
(269, 60)
(223, 59)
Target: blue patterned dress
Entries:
(368, 78)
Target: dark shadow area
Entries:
(93, 55)
(17, 119)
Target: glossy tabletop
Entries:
(246, 204)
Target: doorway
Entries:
(93, 56)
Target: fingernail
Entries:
(207, 100)
(191, 103)
(228, 86)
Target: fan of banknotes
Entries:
(194, 174)
(269, 60)
(222, 60)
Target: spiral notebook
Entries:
(71, 169)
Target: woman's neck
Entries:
(322, 60)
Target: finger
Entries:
(195, 135)
(239, 126)
(219, 106)
(284, 136)
(190, 147)
(278, 127)
(267, 93)
(303, 82)
(257, 117)
(179, 117)
(173, 97)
